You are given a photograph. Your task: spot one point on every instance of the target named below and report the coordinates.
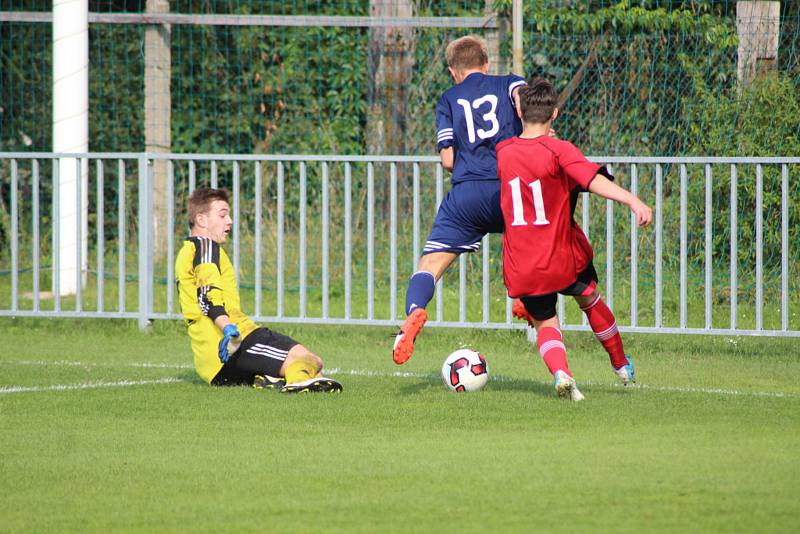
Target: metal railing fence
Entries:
(332, 239)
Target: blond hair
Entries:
(468, 52)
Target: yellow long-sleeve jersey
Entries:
(207, 289)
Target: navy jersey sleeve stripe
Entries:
(514, 85)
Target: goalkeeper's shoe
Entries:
(625, 372)
(518, 310)
(566, 388)
(404, 340)
(319, 384)
(268, 382)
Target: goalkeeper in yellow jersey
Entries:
(229, 348)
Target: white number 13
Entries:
(538, 203)
(489, 117)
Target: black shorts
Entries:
(262, 352)
(543, 307)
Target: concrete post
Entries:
(758, 27)
(157, 107)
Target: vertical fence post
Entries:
(121, 235)
(634, 251)
(56, 235)
(440, 285)
(35, 226)
(348, 242)
(303, 195)
(683, 245)
(143, 223)
(416, 222)
(101, 239)
(462, 288)
(610, 251)
(79, 204)
(734, 247)
(325, 240)
(257, 237)
(192, 176)
(585, 203)
(170, 234)
(659, 243)
(708, 247)
(14, 237)
(236, 217)
(280, 245)
(370, 241)
(393, 241)
(784, 247)
(485, 281)
(759, 247)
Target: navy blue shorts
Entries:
(469, 211)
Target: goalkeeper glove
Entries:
(229, 342)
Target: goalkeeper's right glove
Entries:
(230, 335)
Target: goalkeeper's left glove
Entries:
(230, 335)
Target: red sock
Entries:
(604, 326)
(552, 349)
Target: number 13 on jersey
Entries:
(519, 209)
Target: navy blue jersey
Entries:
(472, 117)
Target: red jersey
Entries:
(543, 248)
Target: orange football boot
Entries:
(404, 341)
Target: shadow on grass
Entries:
(501, 383)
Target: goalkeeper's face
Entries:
(217, 221)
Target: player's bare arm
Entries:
(447, 156)
(605, 188)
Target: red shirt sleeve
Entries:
(575, 165)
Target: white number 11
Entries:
(538, 203)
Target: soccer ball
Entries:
(465, 370)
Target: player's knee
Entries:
(585, 300)
(436, 263)
(301, 353)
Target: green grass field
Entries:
(106, 428)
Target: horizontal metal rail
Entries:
(302, 21)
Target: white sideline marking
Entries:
(95, 385)
(714, 391)
(72, 363)
(359, 372)
(670, 389)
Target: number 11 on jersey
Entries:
(538, 203)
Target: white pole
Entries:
(71, 131)
(516, 37)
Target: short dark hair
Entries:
(200, 201)
(537, 100)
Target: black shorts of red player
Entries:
(543, 307)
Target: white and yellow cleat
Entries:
(566, 387)
(268, 382)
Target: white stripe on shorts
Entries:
(264, 350)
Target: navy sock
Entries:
(420, 290)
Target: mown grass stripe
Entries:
(371, 373)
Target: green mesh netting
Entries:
(638, 78)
